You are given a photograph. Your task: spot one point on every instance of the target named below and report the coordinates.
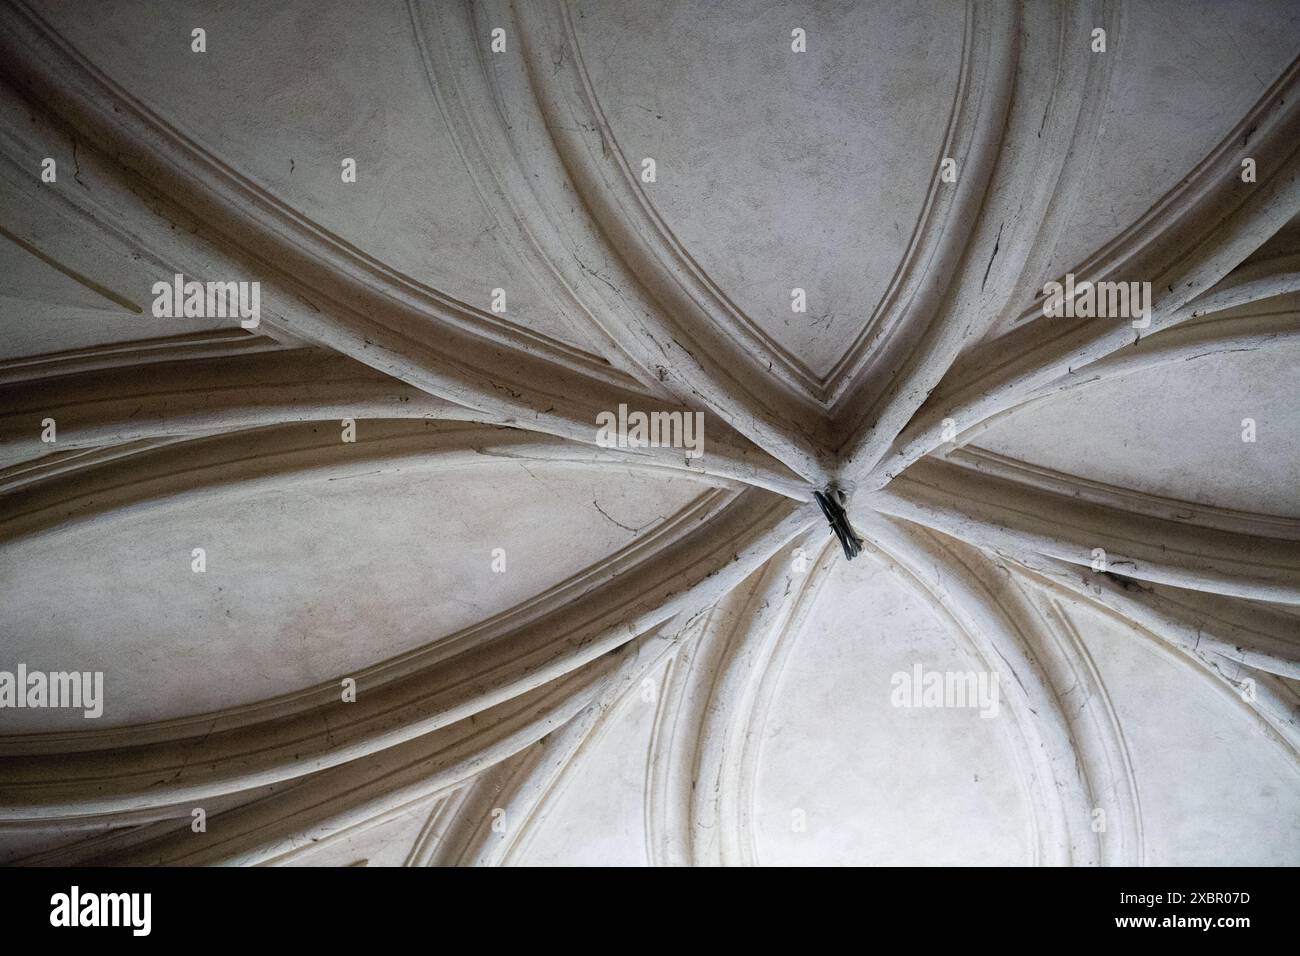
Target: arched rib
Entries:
(190, 399)
(1240, 646)
(1016, 518)
(1185, 343)
(1226, 636)
(1194, 238)
(712, 710)
(315, 285)
(1026, 146)
(424, 692)
(982, 602)
(534, 783)
(275, 828)
(207, 396)
(660, 307)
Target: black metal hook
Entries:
(833, 508)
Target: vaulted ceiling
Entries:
(570, 653)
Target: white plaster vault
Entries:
(675, 664)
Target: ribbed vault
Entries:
(564, 652)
